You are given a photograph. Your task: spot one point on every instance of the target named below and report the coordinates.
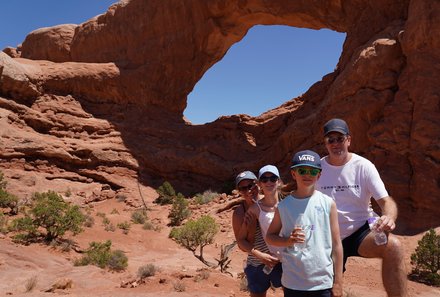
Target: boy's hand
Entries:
(297, 236)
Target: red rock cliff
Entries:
(102, 102)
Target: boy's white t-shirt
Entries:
(351, 186)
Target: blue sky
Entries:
(270, 65)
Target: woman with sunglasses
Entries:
(315, 269)
(262, 212)
(258, 253)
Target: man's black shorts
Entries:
(351, 243)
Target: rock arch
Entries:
(129, 71)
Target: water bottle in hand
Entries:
(380, 238)
(299, 223)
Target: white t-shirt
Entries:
(351, 186)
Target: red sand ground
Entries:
(179, 269)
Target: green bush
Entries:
(97, 254)
(205, 197)
(426, 259)
(8, 200)
(124, 226)
(179, 210)
(196, 234)
(53, 214)
(166, 194)
(3, 182)
(3, 223)
(101, 255)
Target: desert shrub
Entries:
(148, 226)
(179, 210)
(101, 255)
(139, 216)
(202, 275)
(118, 261)
(124, 226)
(147, 271)
(426, 259)
(105, 221)
(3, 182)
(26, 225)
(205, 197)
(3, 223)
(100, 214)
(56, 216)
(179, 286)
(31, 283)
(196, 234)
(114, 211)
(51, 213)
(89, 221)
(8, 200)
(109, 227)
(166, 194)
(68, 192)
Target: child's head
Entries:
(306, 167)
(269, 178)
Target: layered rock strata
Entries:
(102, 102)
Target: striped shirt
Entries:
(260, 245)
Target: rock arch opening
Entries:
(269, 66)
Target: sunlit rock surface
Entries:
(100, 105)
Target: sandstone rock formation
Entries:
(103, 103)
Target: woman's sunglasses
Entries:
(304, 171)
(265, 179)
(331, 140)
(247, 188)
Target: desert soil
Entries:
(180, 273)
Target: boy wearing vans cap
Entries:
(315, 270)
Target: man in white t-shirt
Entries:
(352, 181)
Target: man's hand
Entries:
(337, 290)
(385, 223)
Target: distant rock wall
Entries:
(103, 101)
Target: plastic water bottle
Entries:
(380, 238)
(299, 223)
(267, 269)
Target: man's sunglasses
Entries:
(247, 188)
(304, 171)
(331, 140)
(265, 179)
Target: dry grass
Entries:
(179, 286)
(31, 283)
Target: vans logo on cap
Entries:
(307, 158)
